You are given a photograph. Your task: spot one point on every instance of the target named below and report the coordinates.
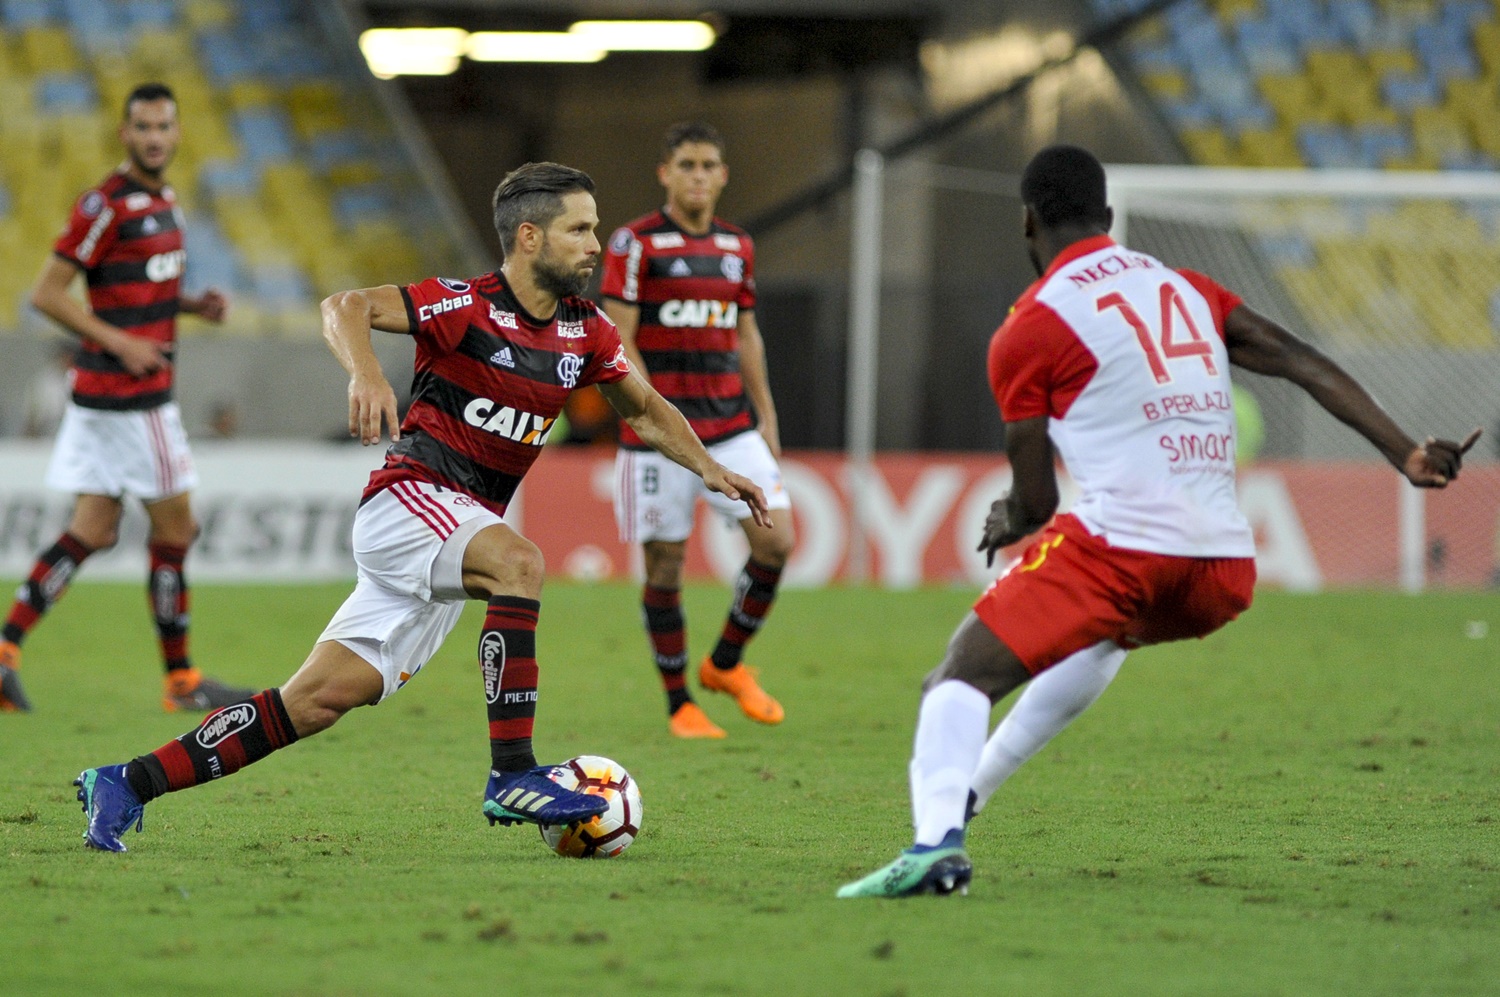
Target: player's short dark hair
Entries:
(1063, 184)
(533, 193)
(149, 92)
(684, 132)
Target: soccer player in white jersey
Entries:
(1118, 364)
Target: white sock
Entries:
(950, 734)
(1047, 705)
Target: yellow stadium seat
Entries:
(1295, 99)
(1272, 147)
(1208, 146)
(1397, 60)
(1487, 45)
(164, 50)
(243, 95)
(1436, 131)
(1229, 10)
(202, 15)
(1166, 84)
(46, 48)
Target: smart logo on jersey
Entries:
(571, 330)
(511, 423)
(427, 312)
(166, 266)
(569, 366)
(505, 320)
(699, 314)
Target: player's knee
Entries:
(664, 564)
(175, 534)
(519, 569)
(775, 550)
(321, 708)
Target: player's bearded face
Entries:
(150, 135)
(569, 249)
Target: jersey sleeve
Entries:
(622, 267)
(90, 232)
(607, 362)
(1037, 366)
(746, 297)
(438, 309)
(1221, 300)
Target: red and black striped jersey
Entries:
(127, 240)
(690, 290)
(489, 383)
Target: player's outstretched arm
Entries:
(664, 429)
(1258, 344)
(139, 355)
(348, 317)
(1033, 494)
(756, 379)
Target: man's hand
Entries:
(371, 400)
(1436, 462)
(724, 481)
(998, 531)
(138, 355)
(211, 305)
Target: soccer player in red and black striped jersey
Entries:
(680, 284)
(496, 357)
(122, 433)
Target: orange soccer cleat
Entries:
(740, 683)
(190, 689)
(12, 697)
(691, 722)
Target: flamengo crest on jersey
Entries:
(489, 383)
(127, 240)
(691, 290)
(1126, 357)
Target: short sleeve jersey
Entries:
(489, 383)
(1125, 357)
(127, 240)
(690, 290)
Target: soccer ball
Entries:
(608, 834)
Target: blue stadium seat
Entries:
(265, 134)
(97, 25)
(1328, 146)
(229, 178)
(151, 13)
(1266, 48)
(226, 56)
(367, 202)
(279, 286)
(64, 93)
(1444, 47)
(268, 15)
(1189, 112)
(27, 13)
(1289, 249)
(1356, 20)
(1404, 91)
(1380, 143)
(212, 261)
(329, 149)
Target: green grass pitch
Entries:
(1305, 803)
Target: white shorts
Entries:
(409, 545)
(142, 453)
(655, 497)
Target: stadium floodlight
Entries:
(647, 36)
(533, 46)
(393, 52)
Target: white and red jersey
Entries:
(127, 240)
(1125, 356)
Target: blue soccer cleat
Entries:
(111, 805)
(530, 797)
(943, 869)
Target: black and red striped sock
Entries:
(226, 741)
(168, 591)
(662, 609)
(45, 585)
(507, 659)
(754, 592)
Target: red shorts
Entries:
(1071, 590)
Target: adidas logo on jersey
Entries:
(513, 424)
(680, 268)
(503, 358)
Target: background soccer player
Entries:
(496, 359)
(1121, 364)
(122, 434)
(680, 284)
